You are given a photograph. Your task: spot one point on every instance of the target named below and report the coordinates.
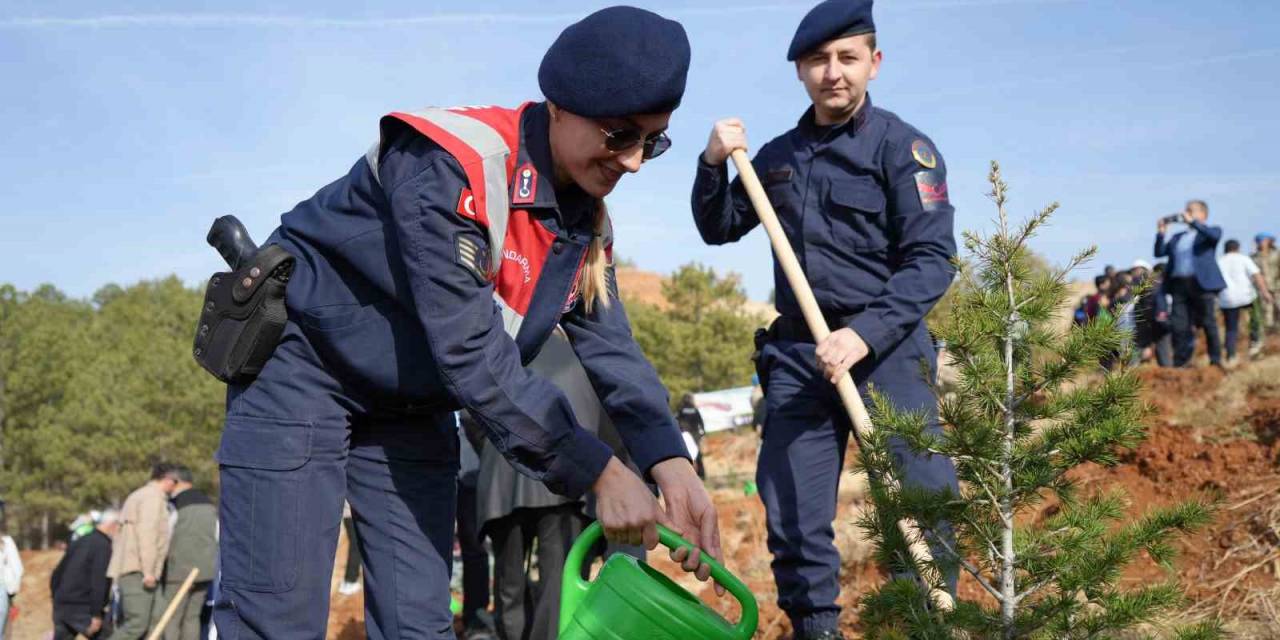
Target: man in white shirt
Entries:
(1244, 283)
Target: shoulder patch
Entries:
(472, 256)
(932, 189)
(467, 204)
(526, 186)
(923, 153)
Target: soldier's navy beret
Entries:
(830, 20)
(618, 61)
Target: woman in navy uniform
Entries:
(426, 279)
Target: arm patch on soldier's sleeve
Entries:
(932, 189)
(467, 205)
(473, 256)
(923, 153)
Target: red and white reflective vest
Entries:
(485, 142)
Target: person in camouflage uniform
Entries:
(1264, 315)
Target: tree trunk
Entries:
(44, 531)
(1008, 586)
(4, 431)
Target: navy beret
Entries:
(830, 20)
(615, 62)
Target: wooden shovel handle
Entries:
(848, 391)
(173, 604)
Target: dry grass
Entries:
(1247, 600)
(1223, 414)
(1250, 609)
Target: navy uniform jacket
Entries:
(383, 295)
(865, 207)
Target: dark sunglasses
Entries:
(623, 138)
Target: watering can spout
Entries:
(629, 599)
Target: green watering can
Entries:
(629, 600)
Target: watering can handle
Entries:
(574, 588)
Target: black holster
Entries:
(243, 316)
(761, 339)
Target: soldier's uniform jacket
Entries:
(416, 292)
(865, 206)
(1269, 264)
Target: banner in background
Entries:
(724, 409)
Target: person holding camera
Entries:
(1193, 280)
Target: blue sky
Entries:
(129, 126)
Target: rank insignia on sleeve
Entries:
(923, 153)
(472, 256)
(611, 281)
(932, 189)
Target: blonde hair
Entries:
(593, 283)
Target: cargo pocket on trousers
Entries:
(262, 465)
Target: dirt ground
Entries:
(1212, 433)
(35, 610)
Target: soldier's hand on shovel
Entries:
(726, 135)
(839, 352)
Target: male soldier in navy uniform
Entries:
(862, 197)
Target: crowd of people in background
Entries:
(123, 567)
(1167, 304)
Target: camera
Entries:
(1172, 219)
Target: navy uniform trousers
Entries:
(296, 444)
(805, 435)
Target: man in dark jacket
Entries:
(80, 585)
(193, 544)
(1193, 279)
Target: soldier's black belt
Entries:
(794, 329)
